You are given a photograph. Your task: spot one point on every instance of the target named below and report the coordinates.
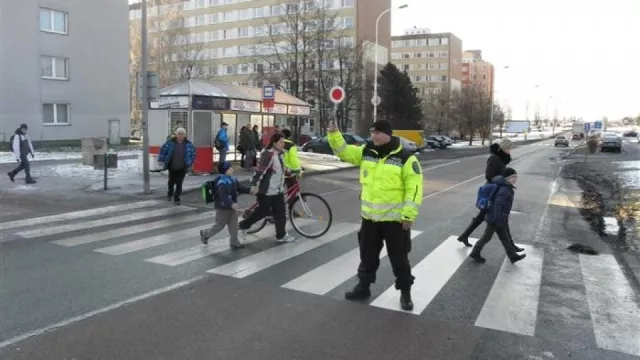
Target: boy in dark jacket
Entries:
(227, 189)
(497, 217)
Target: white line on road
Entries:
(435, 270)
(614, 312)
(441, 165)
(452, 187)
(103, 310)
(512, 304)
(326, 277)
(257, 262)
(77, 214)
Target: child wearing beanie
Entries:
(497, 218)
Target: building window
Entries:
(444, 66)
(396, 43)
(431, 66)
(230, 69)
(434, 41)
(55, 114)
(406, 67)
(54, 67)
(444, 41)
(443, 78)
(444, 54)
(348, 3)
(348, 22)
(53, 21)
(243, 32)
(259, 13)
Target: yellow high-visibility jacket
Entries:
(391, 185)
(291, 159)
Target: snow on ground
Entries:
(515, 137)
(8, 158)
(126, 168)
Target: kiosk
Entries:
(201, 106)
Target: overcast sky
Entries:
(584, 53)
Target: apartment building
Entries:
(432, 60)
(65, 71)
(476, 71)
(234, 34)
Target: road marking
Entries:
(452, 187)
(77, 214)
(147, 243)
(54, 230)
(136, 229)
(441, 165)
(257, 262)
(103, 310)
(435, 270)
(612, 304)
(326, 277)
(512, 304)
(200, 251)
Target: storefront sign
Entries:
(243, 105)
(170, 102)
(277, 109)
(299, 110)
(209, 103)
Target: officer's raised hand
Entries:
(332, 127)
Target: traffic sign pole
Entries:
(336, 95)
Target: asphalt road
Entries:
(133, 282)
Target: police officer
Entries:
(291, 160)
(391, 195)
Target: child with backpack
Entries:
(224, 191)
(497, 199)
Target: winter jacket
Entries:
(496, 163)
(247, 140)
(223, 138)
(498, 214)
(291, 159)
(256, 136)
(21, 145)
(166, 152)
(269, 175)
(227, 190)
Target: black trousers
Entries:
(176, 177)
(24, 165)
(268, 205)
(477, 221)
(503, 234)
(398, 241)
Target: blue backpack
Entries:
(486, 196)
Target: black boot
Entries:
(359, 292)
(515, 258)
(405, 300)
(464, 240)
(475, 254)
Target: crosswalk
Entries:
(164, 236)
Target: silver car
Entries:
(610, 140)
(561, 140)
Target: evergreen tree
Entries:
(400, 103)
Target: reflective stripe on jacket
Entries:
(291, 159)
(391, 185)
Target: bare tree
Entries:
(471, 112)
(537, 119)
(437, 109)
(499, 116)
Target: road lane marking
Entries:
(61, 229)
(136, 229)
(512, 303)
(614, 311)
(77, 214)
(215, 246)
(100, 311)
(328, 276)
(434, 270)
(257, 262)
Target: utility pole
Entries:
(145, 98)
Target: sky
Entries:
(584, 54)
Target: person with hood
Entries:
(21, 147)
(497, 217)
(391, 195)
(496, 165)
(177, 156)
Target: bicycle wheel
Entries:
(257, 226)
(306, 213)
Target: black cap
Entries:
(23, 126)
(287, 133)
(510, 172)
(383, 126)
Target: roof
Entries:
(217, 89)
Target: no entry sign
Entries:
(336, 94)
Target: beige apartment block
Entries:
(477, 72)
(433, 61)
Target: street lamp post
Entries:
(144, 52)
(375, 74)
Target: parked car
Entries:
(446, 139)
(430, 144)
(321, 145)
(575, 137)
(440, 141)
(406, 143)
(561, 140)
(611, 140)
(631, 133)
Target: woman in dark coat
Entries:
(496, 165)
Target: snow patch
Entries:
(611, 225)
(8, 158)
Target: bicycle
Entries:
(290, 193)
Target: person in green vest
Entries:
(391, 196)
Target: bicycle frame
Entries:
(289, 195)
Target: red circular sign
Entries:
(337, 94)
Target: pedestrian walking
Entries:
(226, 189)
(221, 142)
(177, 155)
(391, 196)
(496, 165)
(21, 147)
(249, 145)
(268, 183)
(497, 217)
